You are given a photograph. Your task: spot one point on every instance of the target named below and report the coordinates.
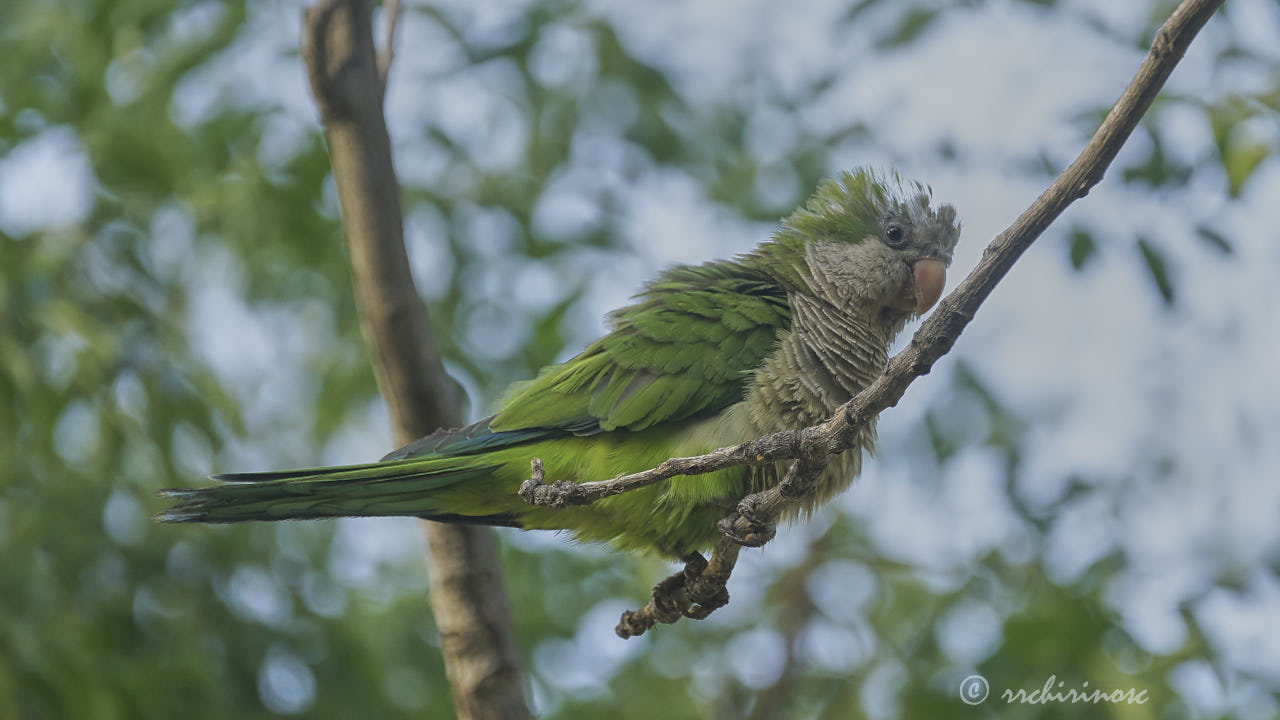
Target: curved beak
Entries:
(928, 275)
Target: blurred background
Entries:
(1086, 488)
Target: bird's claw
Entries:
(706, 597)
(746, 527)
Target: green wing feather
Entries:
(686, 349)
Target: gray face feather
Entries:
(868, 275)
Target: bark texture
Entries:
(467, 590)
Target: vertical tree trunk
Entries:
(467, 591)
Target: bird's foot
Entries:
(688, 593)
(747, 526)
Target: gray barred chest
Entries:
(826, 358)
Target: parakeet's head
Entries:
(872, 242)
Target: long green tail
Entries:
(398, 487)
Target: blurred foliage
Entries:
(118, 377)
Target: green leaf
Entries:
(943, 447)
(1238, 149)
(914, 22)
(1080, 247)
(1240, 162)
(1215, 239)
(1158, 268)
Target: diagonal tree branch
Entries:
(467, 592)
(696, 588)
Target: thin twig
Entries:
(751, 524)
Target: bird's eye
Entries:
(894, 234)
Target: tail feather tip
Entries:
(178, 515)
(177, 493)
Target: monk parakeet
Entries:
(707, 356)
